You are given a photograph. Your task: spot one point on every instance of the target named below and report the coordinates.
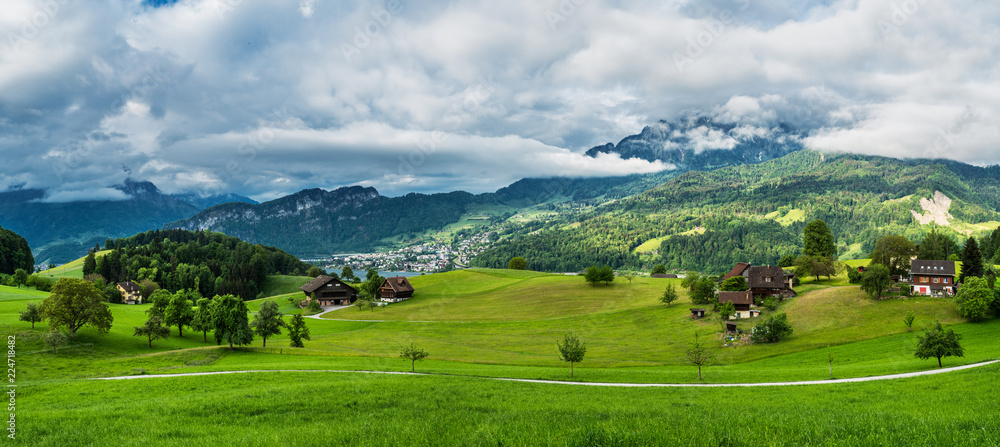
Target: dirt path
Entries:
(601, 384)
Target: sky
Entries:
(265, 98)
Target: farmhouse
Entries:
(764, 281)
(131, 292)
(330, 291)
(742, 301)
(932, 278)
(395, 289)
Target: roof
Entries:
(398, 284)
(698, 309)
(736, 271)
(756, 276)
(663, 275)
(129, 286)
(321, 281)
(736, 297)
(943, 268)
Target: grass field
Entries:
(73, 269)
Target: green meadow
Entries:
(480, 324)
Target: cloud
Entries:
(99, 194)
(218, 96)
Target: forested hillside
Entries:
(14, 253)
(211, 263)
(755, 213)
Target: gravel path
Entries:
(602, 384)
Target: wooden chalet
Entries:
(932, 278)
(742, 301)
(395, 289)
(330, 291)
(131, 292)
(765, 281)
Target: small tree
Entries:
(699, 355)
(365, 302)
(734, 284)
(726, 310)
(875, 281)
(771, 303)
(268, 321)
(55, 338)
(658, 269)
(413, 353)
(75, 303)
(517, 263)
(313, 307)
(152, 330)
(31, 314)
(787, 261)
(297, 331)
(628, 275)
(771, 330)
(178, 312)
(202, 320)
(938, 343)
(908, 320)
(571, 350)
(594, 275)
(669, 295)
(829, 359)
(231, 322)
(20, 278)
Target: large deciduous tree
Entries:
(178, 312)
(595, 275)
(703, 291)
(938, 343)
(571, 350)
(152, 330)
(972, 260)
(75, 303)
(876, 280)
(268, 321)
(818, 240)
(297, 331)
(517, 263)
(894, 251)
(974, 298)
(202, 320)
(231, 321)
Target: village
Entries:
(428, 257)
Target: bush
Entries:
(771, 330)
(853, 277)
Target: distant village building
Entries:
(932, 278)
(765, 281)
(330, 291)
(395, 289)
(131, 292)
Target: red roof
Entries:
(736, 297)
(736, 271)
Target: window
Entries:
(936, 280)
(767, 279)
(946, 280)
(923, 279)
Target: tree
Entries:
(816, 266)
(517, 263)
(347, 274)
(894, 251)
(725, 311)
(908, 320)
(690, 279)
(818, 240)
(231, 322)
(703, 291)
(31, 314)
(771, 330)
(55, 338)
(972, 260)
(147, 287)
(75, 303)
(771, 303)
(938, 343)
(365, 302)
(734, 284)
(178, 312)
(699, 355)
(372, 283)
(202, 319)
(313, 307)
(571, 350)
(20, 278)
(152, 330)
(314, 272)
(936, 247)
(89, 264)
(297, 331)
(974, 298)
(413, 353)
(875, 281)
(40, 283)
(669, 295)
(268, 321)
(161, 300)
(594, 275)
(787, 261)
(628, 275)
(658, 269)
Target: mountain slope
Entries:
(755, 213)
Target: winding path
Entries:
(601, 384)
